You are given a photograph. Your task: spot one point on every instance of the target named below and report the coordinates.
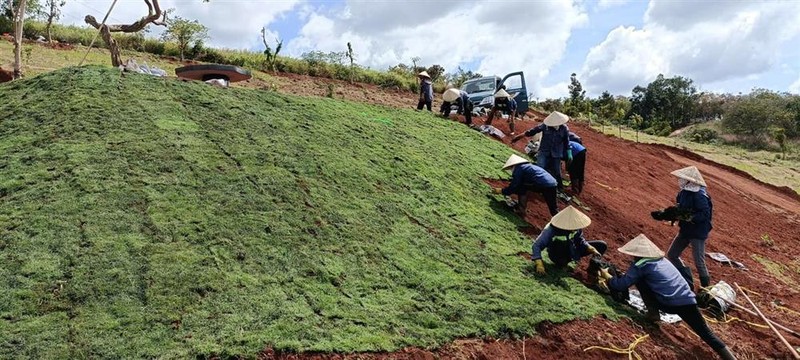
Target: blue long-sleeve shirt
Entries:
(577, 243)
(426, 90)
(669, 287)
(528, 174)
(700, 204)
(555, 141)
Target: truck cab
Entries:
(481, 90)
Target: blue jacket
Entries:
(528, 174)
(575, 240)
(576, 147)
(661, 276)
(554, 143)
(426, 90)
(701, 206)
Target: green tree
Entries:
(435, 71)
(793, 106)
(754, 114)
(665, 103)
(460, 76)
(16, 11)
(577, 96)
(184, 32)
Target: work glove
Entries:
(569, 156)
(593, 251)
(497, 190)
(603, 285)
(605, 275)
(539, 266)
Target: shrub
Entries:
(702, 136)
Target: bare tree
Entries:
(52, 12)
(155, 16)
(18, 16)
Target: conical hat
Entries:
(690, 173)
(502, 94)
(556, 119)
(424, 74)
(514, 160)
(641, 246)
(451, 95)
(570, 219)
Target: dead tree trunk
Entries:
(18, 14)
(155, 16)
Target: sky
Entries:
(612, 45)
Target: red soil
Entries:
(624, 182)
(6, 76)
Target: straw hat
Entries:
(514, 160)
(570, 219)
(451, 95)
(641, 246)
(424, 74)
(690, 173)
(556, 119)
(502, 94)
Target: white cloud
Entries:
(605, 4)
(794, 88)
(707, 42)
(500, 37)
(231, 23)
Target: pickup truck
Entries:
(481, 90)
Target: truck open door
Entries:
(515, 84)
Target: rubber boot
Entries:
(705, 281)
(652, 314)
(522, 204)
(726, 354)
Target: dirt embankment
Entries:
(624, 182)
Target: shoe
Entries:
(564, 197)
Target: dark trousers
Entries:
(560, 255)
(422, 103)
(549, 194)
(690, 314)
(576, 171)
(466, 110)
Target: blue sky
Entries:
(614, 45)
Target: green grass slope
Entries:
(142, 217)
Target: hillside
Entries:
(144, 217)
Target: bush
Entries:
(703, 136)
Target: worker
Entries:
(527, 177)
(575, 167)
(425, 91)
(662, 288)
(575, 137)
(564, 241)
(553, 146)
(503, 102)
(693, 197)
(461, 99)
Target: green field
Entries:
(143, 217)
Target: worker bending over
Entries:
(576, 166)
(527, 177)
(461, 99)
(553, 146)
(663, 288)
(503, 102)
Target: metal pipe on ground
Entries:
(769, 323)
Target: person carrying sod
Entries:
(564, 241)
(553, 146)
(425, 91)
(503, 101)
(526, 177)
(461, 99)
(662, 288)
(694, 229)
(576, 166)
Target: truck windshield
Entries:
(479, 86)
